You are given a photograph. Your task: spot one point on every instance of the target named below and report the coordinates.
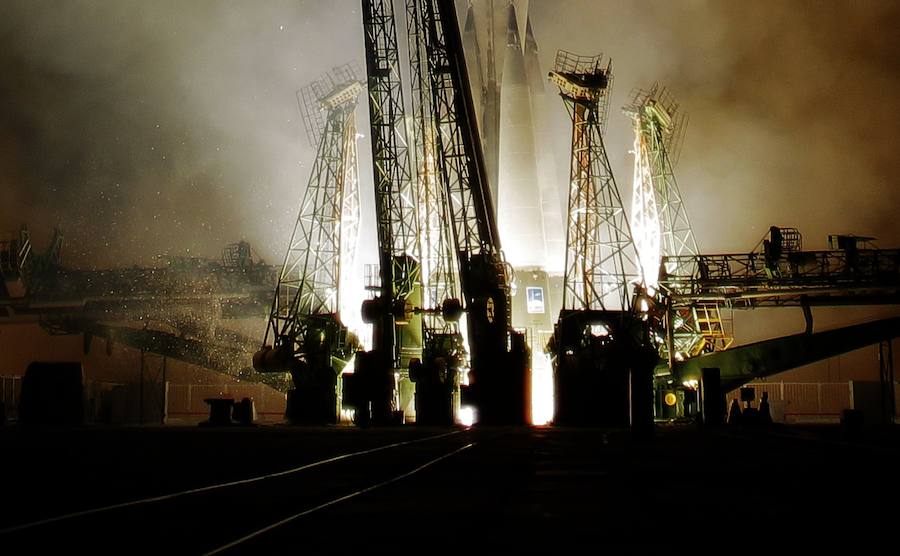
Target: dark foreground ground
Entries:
(413, 490)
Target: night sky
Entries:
(146, 128)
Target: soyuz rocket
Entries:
(508, 88)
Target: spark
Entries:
(542, 398)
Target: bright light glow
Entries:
(692, 384)
(644, 306)
(541, 388)
(644, 215)
(466, 415)
(599, 330)
(347, 415)
(350, 366)
(352, 288)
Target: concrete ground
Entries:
(480, 490)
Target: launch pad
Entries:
(479, 298)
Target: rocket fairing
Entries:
(519, 215)
(478, 43)
(551, 205)
(502, 50)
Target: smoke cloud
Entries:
(164, 127)
(170, 127)
(792, 107)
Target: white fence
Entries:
(814, 401)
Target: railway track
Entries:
(276, 490)
(218, 517)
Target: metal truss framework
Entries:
(396, 196)
(436, 254)
(23, 271)
(658, 127)
(599, 247)
(661, 223)
(309, 283)
(462, 171)
(314, 115)
(497, 353)
(349, 223)
(744, 281)
(14, 255)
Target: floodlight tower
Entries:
(603, 356)
(305, 335)
(661, 224)
(599, 248)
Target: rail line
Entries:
(337, 500)
(219, 486)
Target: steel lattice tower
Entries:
(457, 145)
(437, 258)
(307, 297)
(396, 197)
(599, 248)
(658, 127)
(471, 210)
(660, 218)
